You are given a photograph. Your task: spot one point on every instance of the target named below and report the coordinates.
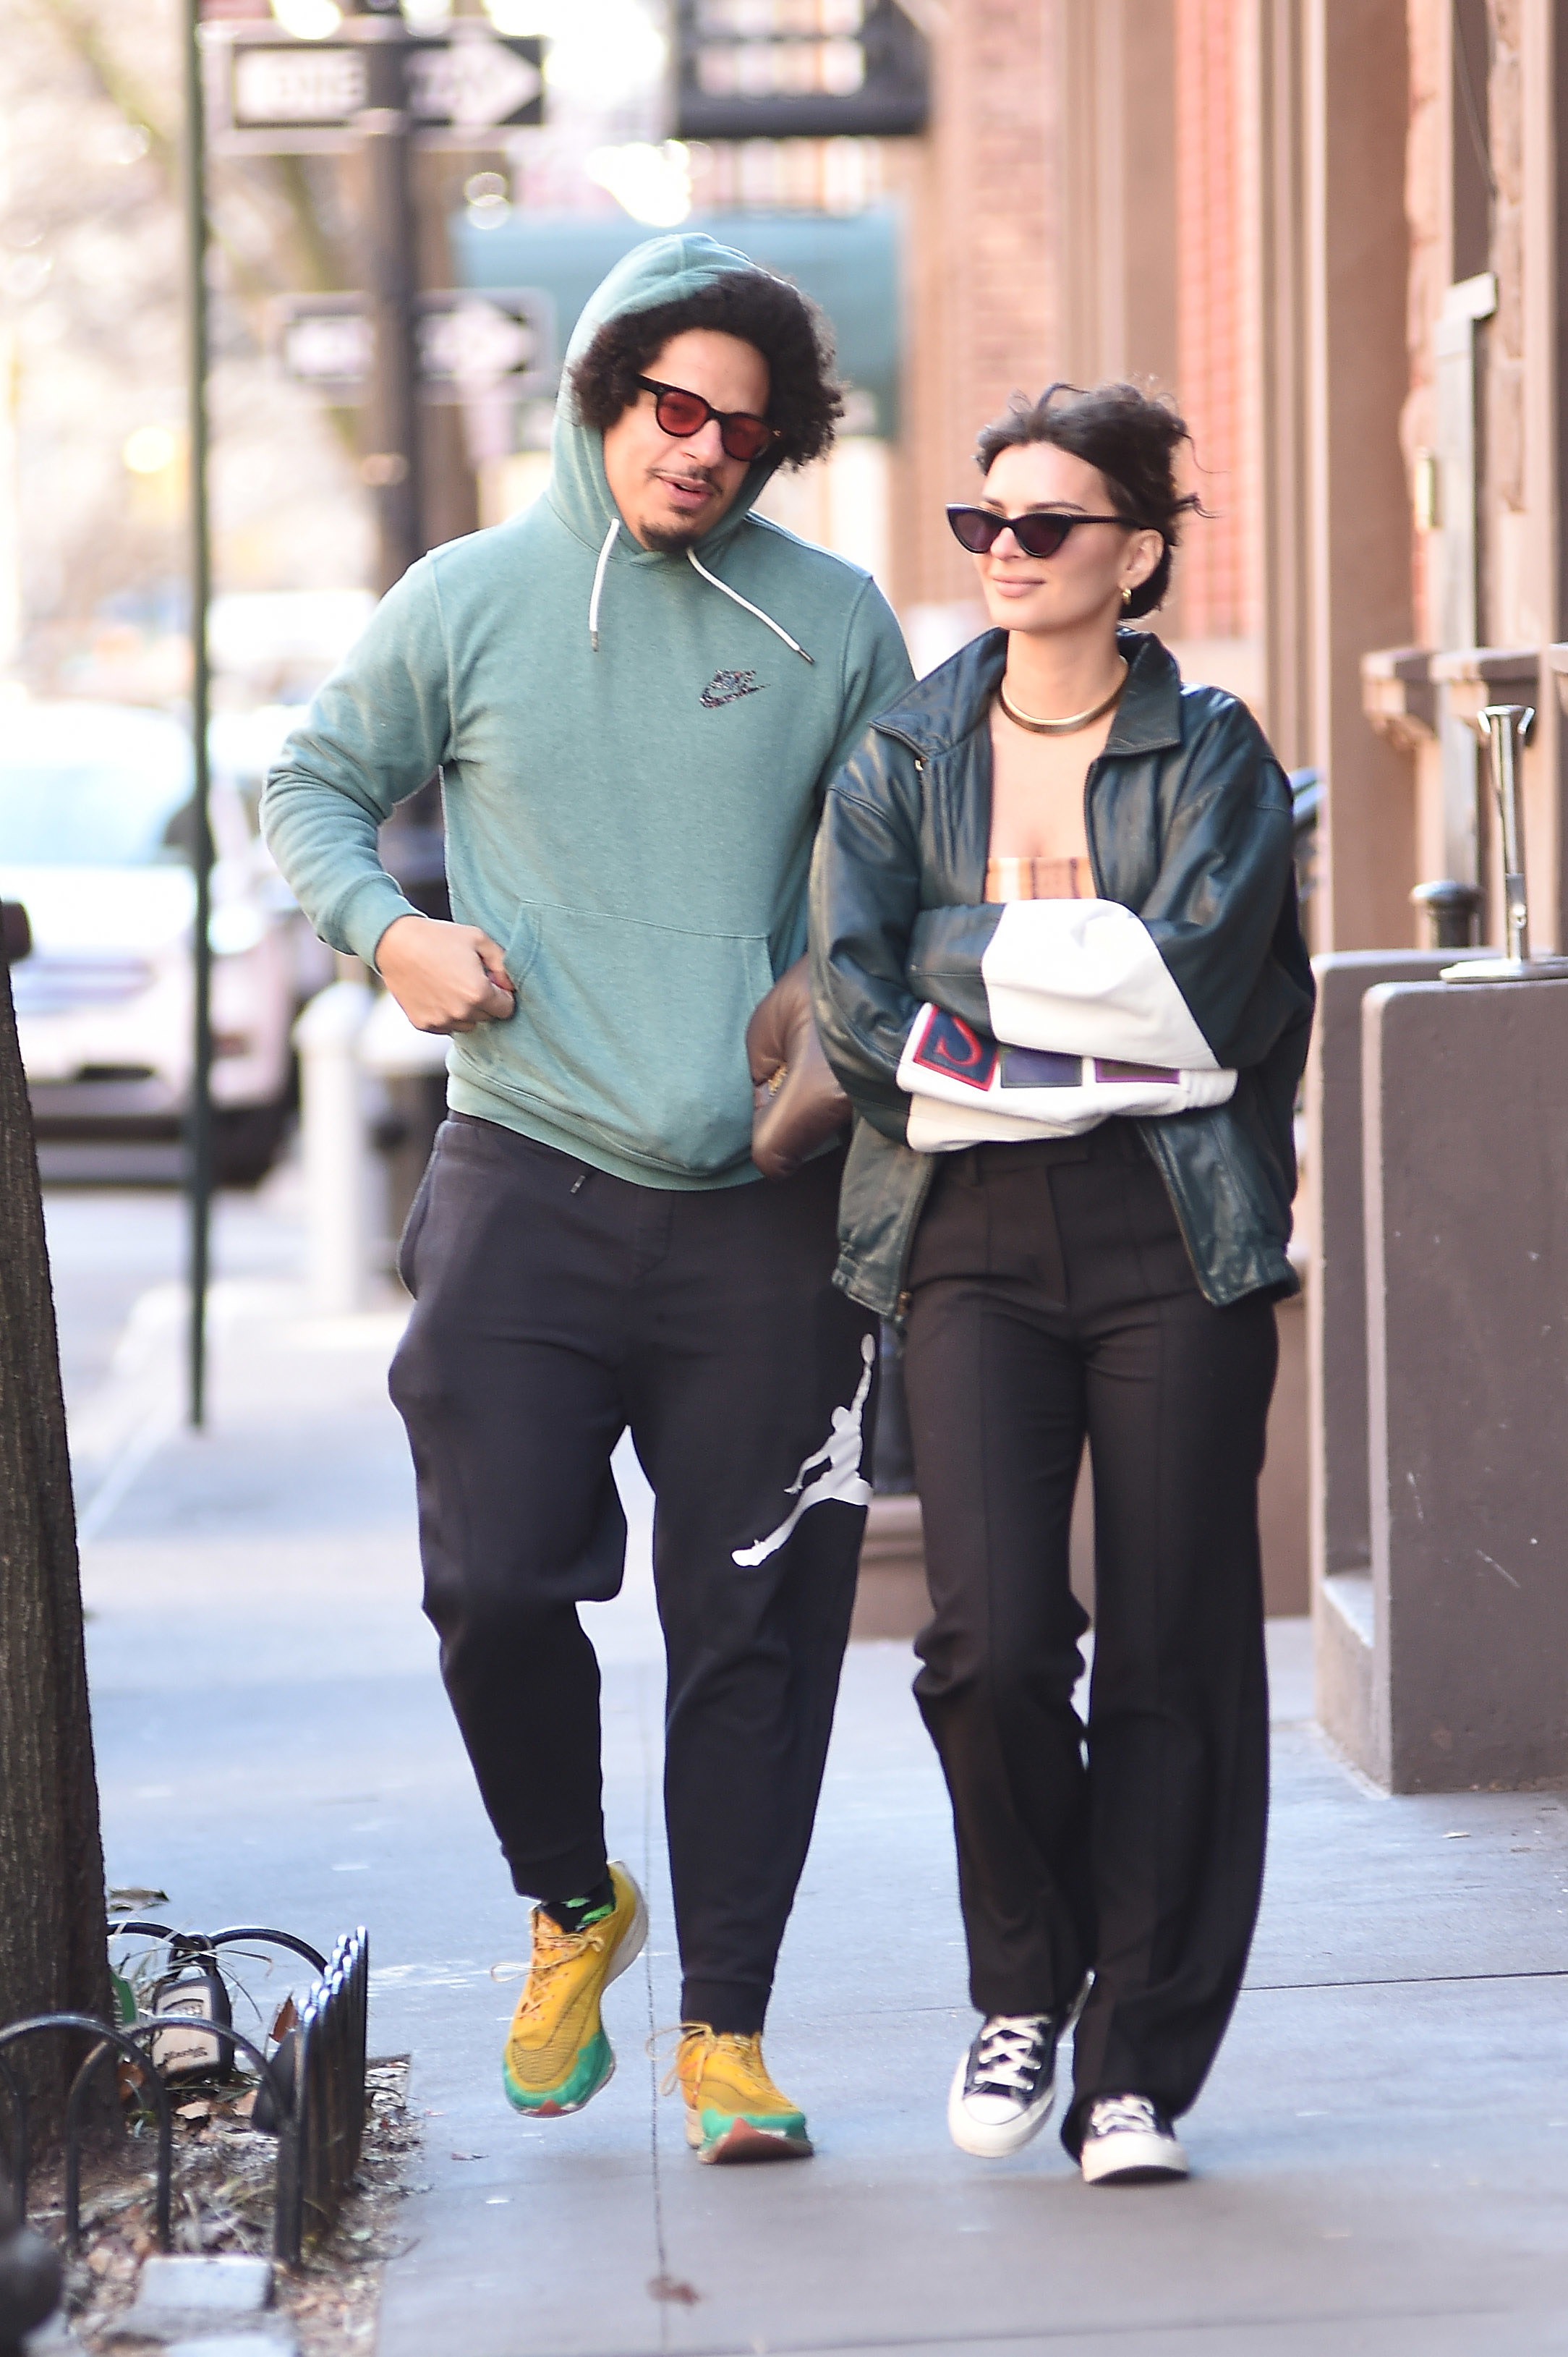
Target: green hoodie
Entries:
(632, 818)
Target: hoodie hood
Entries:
(664, 270)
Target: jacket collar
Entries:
(1148, 718)
(943, 708)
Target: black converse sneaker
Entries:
(1127, 2140)
(1002, 2090)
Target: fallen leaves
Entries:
(223, 2201)
(673, 2290)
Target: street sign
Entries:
(797, 68)
(268, 95)
(468, 344)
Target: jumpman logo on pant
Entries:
(841, 1475)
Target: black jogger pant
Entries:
(1053, 1301)
(554, 1306)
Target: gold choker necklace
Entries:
(1074, 720)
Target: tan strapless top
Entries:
(1039, 879)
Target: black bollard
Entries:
(1451, 910)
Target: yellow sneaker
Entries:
(557, 2056)
(733, 2111)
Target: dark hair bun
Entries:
(1131, 436)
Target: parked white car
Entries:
(95, 831)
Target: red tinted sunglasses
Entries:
(1039, 534)
(684, 413)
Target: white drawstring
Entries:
(599, 570)
(776, 627)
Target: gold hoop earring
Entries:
(1126, 599)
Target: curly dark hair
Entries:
(789, 330)
(1132, 437)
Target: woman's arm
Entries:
(1216, 906)
(864, 897)
(1188, 981)
(1078, 977)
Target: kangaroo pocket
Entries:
(633, 1032)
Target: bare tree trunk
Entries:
(53, 1948)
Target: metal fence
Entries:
(311, 2091)
(329, 2081)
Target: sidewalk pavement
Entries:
(1381, 2155)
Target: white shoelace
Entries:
(1009, 2053)
(1123, 2115)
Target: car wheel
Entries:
(245, 1142)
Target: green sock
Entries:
(576, 1914)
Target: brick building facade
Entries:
(1329, 228)
(1481, 436)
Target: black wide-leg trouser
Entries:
(554, 1306)
(1053, 1301)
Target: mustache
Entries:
(703, 476)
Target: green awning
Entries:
(847, 262)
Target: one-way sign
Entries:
(268, 95)
(501, 341)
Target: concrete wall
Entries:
(1340, 1517)
(1438, 1329)
(1466, 1111)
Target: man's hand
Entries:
(445, 977)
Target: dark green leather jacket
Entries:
(1189, 825)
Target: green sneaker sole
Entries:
(724, 2137)
(593, 2067)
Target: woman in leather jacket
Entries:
(1057, 966)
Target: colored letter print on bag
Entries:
(947, 1045)
(1106, 1068)
(1040, 1068)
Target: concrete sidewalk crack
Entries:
(1407, 1980)
(661, 2277)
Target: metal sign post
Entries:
(1504, 731)
(391, 464)
(380, 89)
(198, 1118)
(377, 88)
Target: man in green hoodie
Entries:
(635, 695)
